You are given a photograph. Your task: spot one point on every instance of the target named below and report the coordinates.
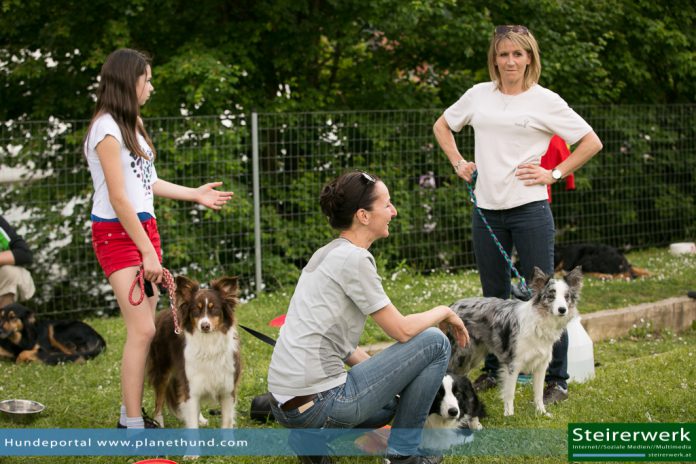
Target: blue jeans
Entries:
(412, 370)
(530, 228)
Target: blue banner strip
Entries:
(271, 442)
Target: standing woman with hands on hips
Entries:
(121, 157)
(514, 118)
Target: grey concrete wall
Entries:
(676, 314)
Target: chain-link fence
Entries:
(638, 192)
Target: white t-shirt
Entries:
(510, 130)
(336, 292)
(139, 174)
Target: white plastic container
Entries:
(683, 248)
(580, 353)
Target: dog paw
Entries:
(202, 421)
(474, 424)
(159, 418)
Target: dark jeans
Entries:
(413, 370)
(531, 230)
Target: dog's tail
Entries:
(89, 347)
(75, 342)
(638, 272)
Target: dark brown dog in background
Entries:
(24, 338)
(597, 260)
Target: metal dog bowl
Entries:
(21, 410)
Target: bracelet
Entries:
(458, 164)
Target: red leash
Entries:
(168, 283)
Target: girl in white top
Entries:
(514, 119)
(120, 155)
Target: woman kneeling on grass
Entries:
(336, 292)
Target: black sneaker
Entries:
(554, 393)
(485, 382)
(148, 421)
(149, 424)
(412, 459)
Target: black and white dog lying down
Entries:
(520, 334)
(456, 405)
(454, 414)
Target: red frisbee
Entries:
(156, 461)
(278, 321)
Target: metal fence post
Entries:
(257, 200)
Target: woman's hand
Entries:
(533, 174)
(456, 328)
(207, 196)
(466, 170)
(152, 269)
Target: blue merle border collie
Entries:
(520, 334)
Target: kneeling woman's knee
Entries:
(439, 340)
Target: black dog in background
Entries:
(597, 260)
(23, 338)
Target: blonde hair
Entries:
(528, 43)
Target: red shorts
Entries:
(114, 248)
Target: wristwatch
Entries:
(556, 174)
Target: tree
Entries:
(283, 55)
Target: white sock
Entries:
(135, 422)
(122, 419)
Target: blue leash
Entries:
(472, 196)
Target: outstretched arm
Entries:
(205, 195)
(402, 328)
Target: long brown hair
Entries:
(116, 96)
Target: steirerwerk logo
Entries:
(632, 442)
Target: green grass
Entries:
(646, 377)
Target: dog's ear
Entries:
(228, 288)
(23, 313)
(185, 289)
(539, 280)
(574, 278)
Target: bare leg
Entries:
(140, 329)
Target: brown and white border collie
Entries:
(203, 362)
